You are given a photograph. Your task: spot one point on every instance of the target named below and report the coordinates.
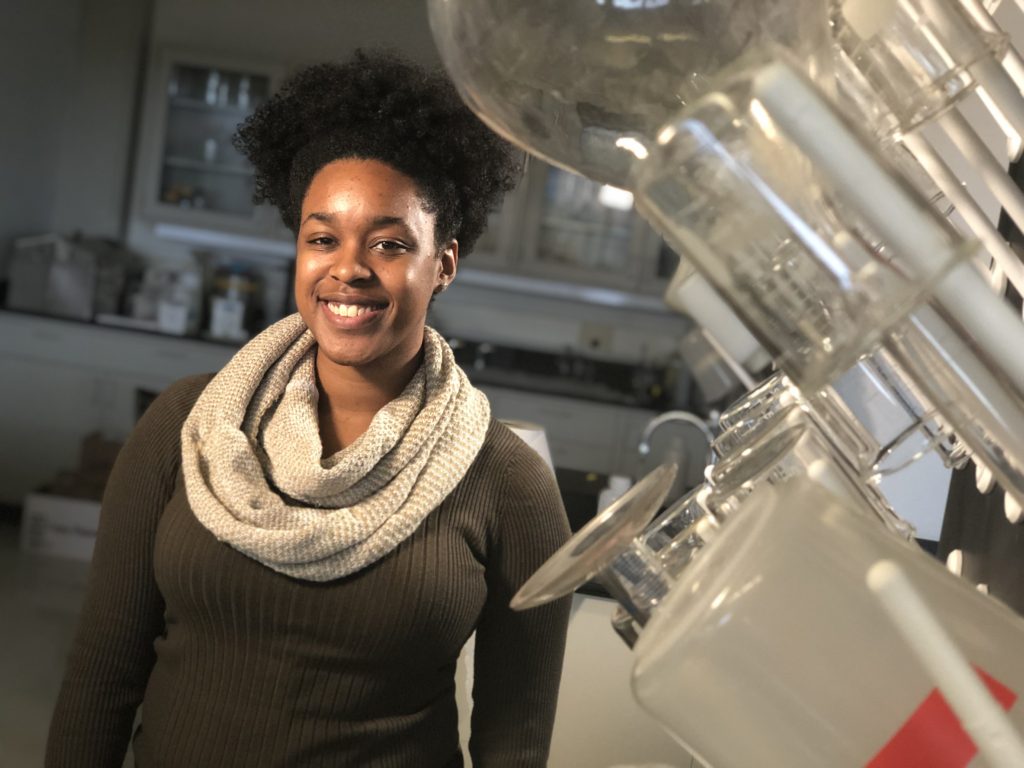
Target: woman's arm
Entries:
(518, 657)
(122, 615)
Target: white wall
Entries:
(94, 168)
(38, 49)
(295, 32)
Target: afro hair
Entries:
(377, 106)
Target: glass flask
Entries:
(586, 85)
(739, 659)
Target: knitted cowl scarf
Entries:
(251, 457)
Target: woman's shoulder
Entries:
(155, 442)
(505, 451)
(159, 428)
(526, 511)
(174, 403)
(509, 464)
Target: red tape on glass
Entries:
(932, 736)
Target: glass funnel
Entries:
(586, 84)
(607, 549)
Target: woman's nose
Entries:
(349, 264)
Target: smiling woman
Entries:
(293, 552)
(367, 265)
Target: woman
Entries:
(293, 552)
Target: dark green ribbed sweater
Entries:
(237, 665)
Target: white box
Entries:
(59, 526)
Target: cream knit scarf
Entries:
(251, 456)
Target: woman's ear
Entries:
(448, 265)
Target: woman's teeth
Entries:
(348, 310)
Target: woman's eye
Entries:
(321, 241)
(391, 245)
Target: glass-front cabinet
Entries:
(502, 238)
(579, 230)
(189, 172)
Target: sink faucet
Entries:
(686, 417)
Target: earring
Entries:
(442, 287)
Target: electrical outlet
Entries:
(595, 337)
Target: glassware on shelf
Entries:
(919, 56)
(824, 251)
(902, 64)
(580, 228)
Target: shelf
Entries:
(179, 102)
(561, 290)
(586, 227)
(253, 247)
(202, 166)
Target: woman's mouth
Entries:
(351, 315)
(348, 310)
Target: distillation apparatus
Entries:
(781, 613)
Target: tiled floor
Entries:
(39, 603)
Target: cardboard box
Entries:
(59, 526)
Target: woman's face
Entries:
(367, 264)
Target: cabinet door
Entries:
(582, 231)
(188, 171)
(500, 244)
